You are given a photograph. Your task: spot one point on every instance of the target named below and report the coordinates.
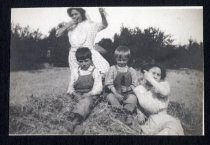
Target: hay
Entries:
(49, 115)
(185, 116)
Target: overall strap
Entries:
(116, 68)
(78, 71)
(93, 69)
(90, 71)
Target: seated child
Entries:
(152, 96)
(121, 80)
(85, 84)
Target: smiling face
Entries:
(156, 73)
(76, 16)
(122, 61)
(85, 64)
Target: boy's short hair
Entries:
(148, 66)
(122, 51)
(83, 53)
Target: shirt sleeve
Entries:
(110, 76)
(134, 77)
(140, 89)
(166, 86)
(98, 26)
(73, 78)
(97, 86)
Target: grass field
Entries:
(39, 105)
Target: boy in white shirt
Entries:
(85, 85)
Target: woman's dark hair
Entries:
(148, 66)
(83, 53)
(80, 10)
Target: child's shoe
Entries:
(71, 127)
(70, 116)
(129, 120)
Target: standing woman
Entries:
(82, 33)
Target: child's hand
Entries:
(119, 97)
(123, 89)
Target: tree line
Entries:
(29, 49)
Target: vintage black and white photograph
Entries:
(107, 71)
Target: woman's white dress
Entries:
(83, 35)
(159, 122)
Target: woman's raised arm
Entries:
(162, 88)
(103, 17)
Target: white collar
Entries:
(122, 69)
(89, 69)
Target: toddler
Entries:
(121, 80)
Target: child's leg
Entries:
(130, 106)
(113, 100)
(81, 110)
(83, 106)
(76, 121)
(130, 103)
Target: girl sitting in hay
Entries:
(152, 96)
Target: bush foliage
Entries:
(29, 49)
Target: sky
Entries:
(182, 23)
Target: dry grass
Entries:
(39, 105)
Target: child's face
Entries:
(122, 61)
(85, 64)
(156, 73)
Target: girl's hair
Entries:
(148, 66)
(80, 10)
(83, 53)
(122, 51)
